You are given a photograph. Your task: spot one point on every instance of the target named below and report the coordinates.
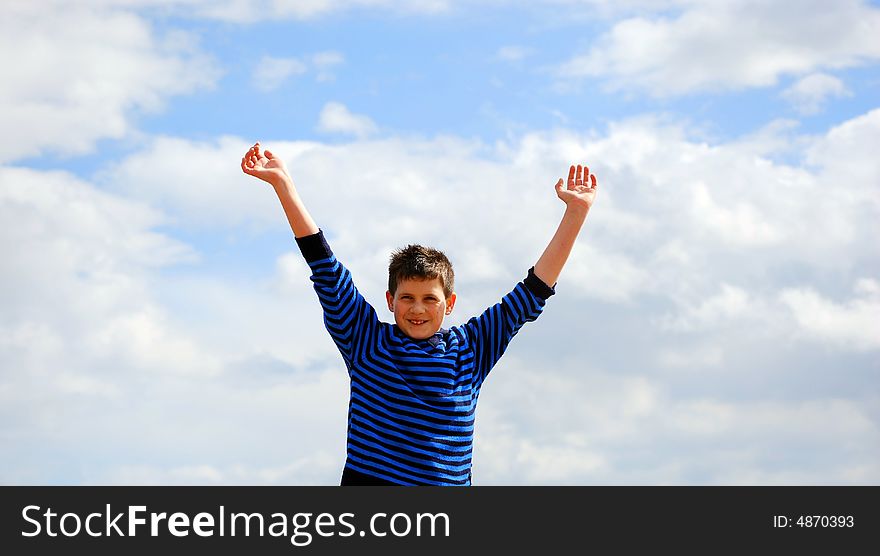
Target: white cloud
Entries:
(703, 226)
(730, 303)
(512, 53)
(249, 11)
(586, 426)
(599, 272)
(729, 45)
(313, 8)
(677, 216)
(82, 74)
(170, 369)
(195, 184)
(692, 318)
(270, 73)
(324, 62)
(741, 224)
(632, 390)
(320, 468)
(336, 118)
(78, 261)
(731, 197)
(809, 93)
(846, 155)
(851, 324)
(692, 357)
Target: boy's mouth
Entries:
(417, 322)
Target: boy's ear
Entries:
(390, 299)
(450, 303)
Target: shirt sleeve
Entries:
(491, 332)
(347, 315)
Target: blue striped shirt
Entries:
(411, 411)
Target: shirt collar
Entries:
(434, 340)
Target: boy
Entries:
(414, 385)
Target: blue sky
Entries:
(715, 324)
(483, 74)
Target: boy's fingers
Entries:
(571, 176)
(593, 179)
(269, 154)
(578, 179)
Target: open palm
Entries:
(264, 165)
(581, 188)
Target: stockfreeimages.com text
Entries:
(299, 526)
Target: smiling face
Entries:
(419, 306)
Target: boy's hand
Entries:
(264, 165)
(578, 198)
(581, 189)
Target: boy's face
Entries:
(419, 307)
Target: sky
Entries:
(716, 323)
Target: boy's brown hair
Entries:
(415, 262)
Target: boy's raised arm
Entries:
(264, 165)
(578, 197)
